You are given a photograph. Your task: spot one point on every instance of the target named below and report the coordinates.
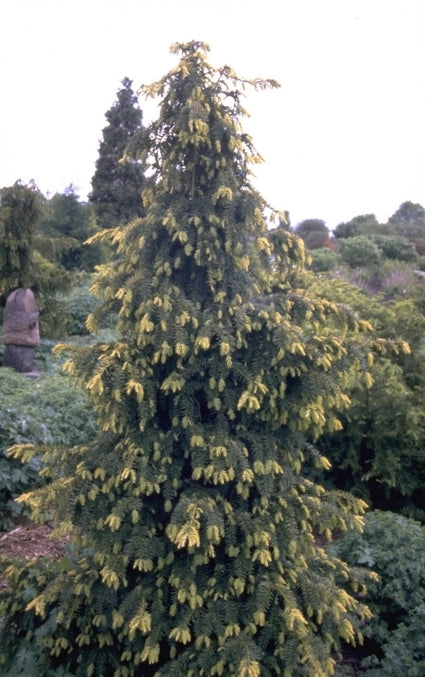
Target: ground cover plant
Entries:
(47, 411)
(194, 532)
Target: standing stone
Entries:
(20, 330)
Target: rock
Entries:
(20, 330)
(19, 358)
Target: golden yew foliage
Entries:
(193, 517)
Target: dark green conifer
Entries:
(116, 185)
(195, 525)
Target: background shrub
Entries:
(359, 251)
(397, 278)
(395, 248)
(324, 259)
(79, 304)
(393, 546)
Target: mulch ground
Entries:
(27, 541)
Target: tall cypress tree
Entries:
(194, 522)
(117, 184)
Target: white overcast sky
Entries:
(343, 136)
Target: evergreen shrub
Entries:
(30, 660)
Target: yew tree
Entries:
(197, 537)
